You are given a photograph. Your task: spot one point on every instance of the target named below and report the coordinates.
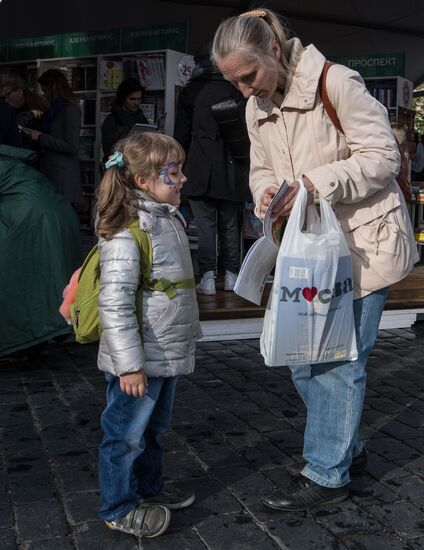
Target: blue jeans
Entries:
(334, 396)
(130, 455)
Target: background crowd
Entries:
(40, 136)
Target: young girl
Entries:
(142, 349)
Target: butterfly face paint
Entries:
(168, 172)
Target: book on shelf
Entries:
(86, 144)
(157, 100)
(88, 111)
(88, 181)
(262, 255)
(151, 71)
(148, 110)
(82, 77)
(111, 74)
(419, 234)
(385, 93)
(86, 212)
(105, 107)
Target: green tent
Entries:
(40, 247)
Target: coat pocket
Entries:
(360, 214)
(158, 312)
(384, 247)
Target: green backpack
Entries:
(84, 310)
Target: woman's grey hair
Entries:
(252, 34)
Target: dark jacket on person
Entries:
(211, 171)
(40, 249)
(9, 132)
(118, 125)
(60, 151)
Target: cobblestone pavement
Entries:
(236, 426)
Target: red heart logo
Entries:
(310, 293)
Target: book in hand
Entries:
(262, 255)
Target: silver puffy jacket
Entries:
(170, 326)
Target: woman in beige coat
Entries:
(293, 138)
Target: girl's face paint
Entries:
(166, 186)
(169, 174)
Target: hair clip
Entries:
(254, 13)
(117, 159)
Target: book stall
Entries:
(96, 63)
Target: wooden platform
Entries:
(226, 316)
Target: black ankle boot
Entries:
(303, 494)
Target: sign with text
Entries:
(374, 65)
(155, 37)
(22, 49)
(77, 44)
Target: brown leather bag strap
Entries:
(331, 112)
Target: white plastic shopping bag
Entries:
(309, 316)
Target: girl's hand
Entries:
(34, 134)
(133, 384)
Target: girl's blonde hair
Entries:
(252, 34)
(144, 153)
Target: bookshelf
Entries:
(94, 80)
(395, 93)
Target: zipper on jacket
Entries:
(188, 257)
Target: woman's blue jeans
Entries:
(130, 455)
(334, 396)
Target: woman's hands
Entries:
(33, 134)
(133, 384)
(285, 204)
(266, 199)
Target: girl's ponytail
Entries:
(115, 196)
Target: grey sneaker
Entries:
(173, 498)
(144, 521)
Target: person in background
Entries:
(404, 176)
(217, 184)
(28, 105)
(9, 131)
(144, 349)
(125, 114)
(40, 249)
(417, 163)
(292, 138)
(58, 140)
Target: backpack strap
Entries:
(144, 243)
(170, 288)
(329, 109)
